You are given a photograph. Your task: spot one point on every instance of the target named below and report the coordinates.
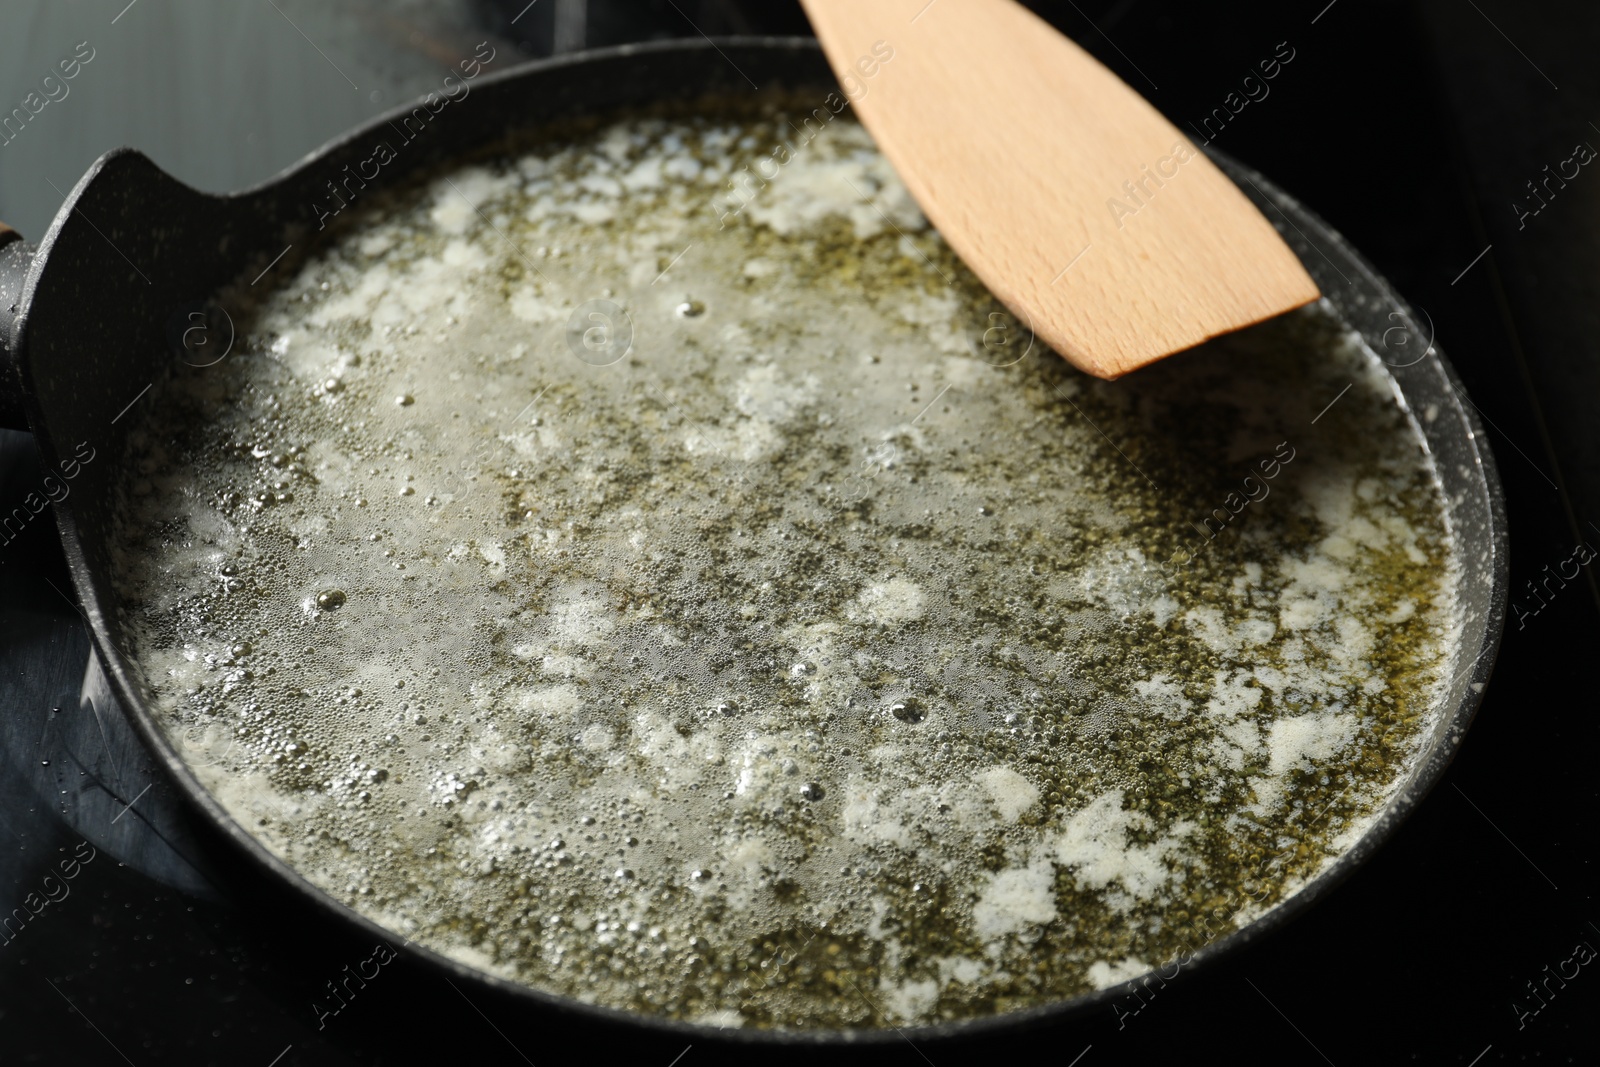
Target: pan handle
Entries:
(16, 255)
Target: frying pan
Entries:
(87, 319)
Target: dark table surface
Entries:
(1413, 129)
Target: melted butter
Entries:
(800, 649)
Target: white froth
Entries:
(1103, 974)
(1011, 793)
(1096, 847)
(1014, 900)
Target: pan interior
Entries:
(648, 566)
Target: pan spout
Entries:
(16, 255)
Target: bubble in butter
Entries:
(646, 565)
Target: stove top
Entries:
(130, 932)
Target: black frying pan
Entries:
(88, 316)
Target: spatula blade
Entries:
(1082, 209)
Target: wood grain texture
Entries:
(1082, 209)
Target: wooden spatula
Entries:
(1088, 214)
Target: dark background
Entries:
(1412, 128)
